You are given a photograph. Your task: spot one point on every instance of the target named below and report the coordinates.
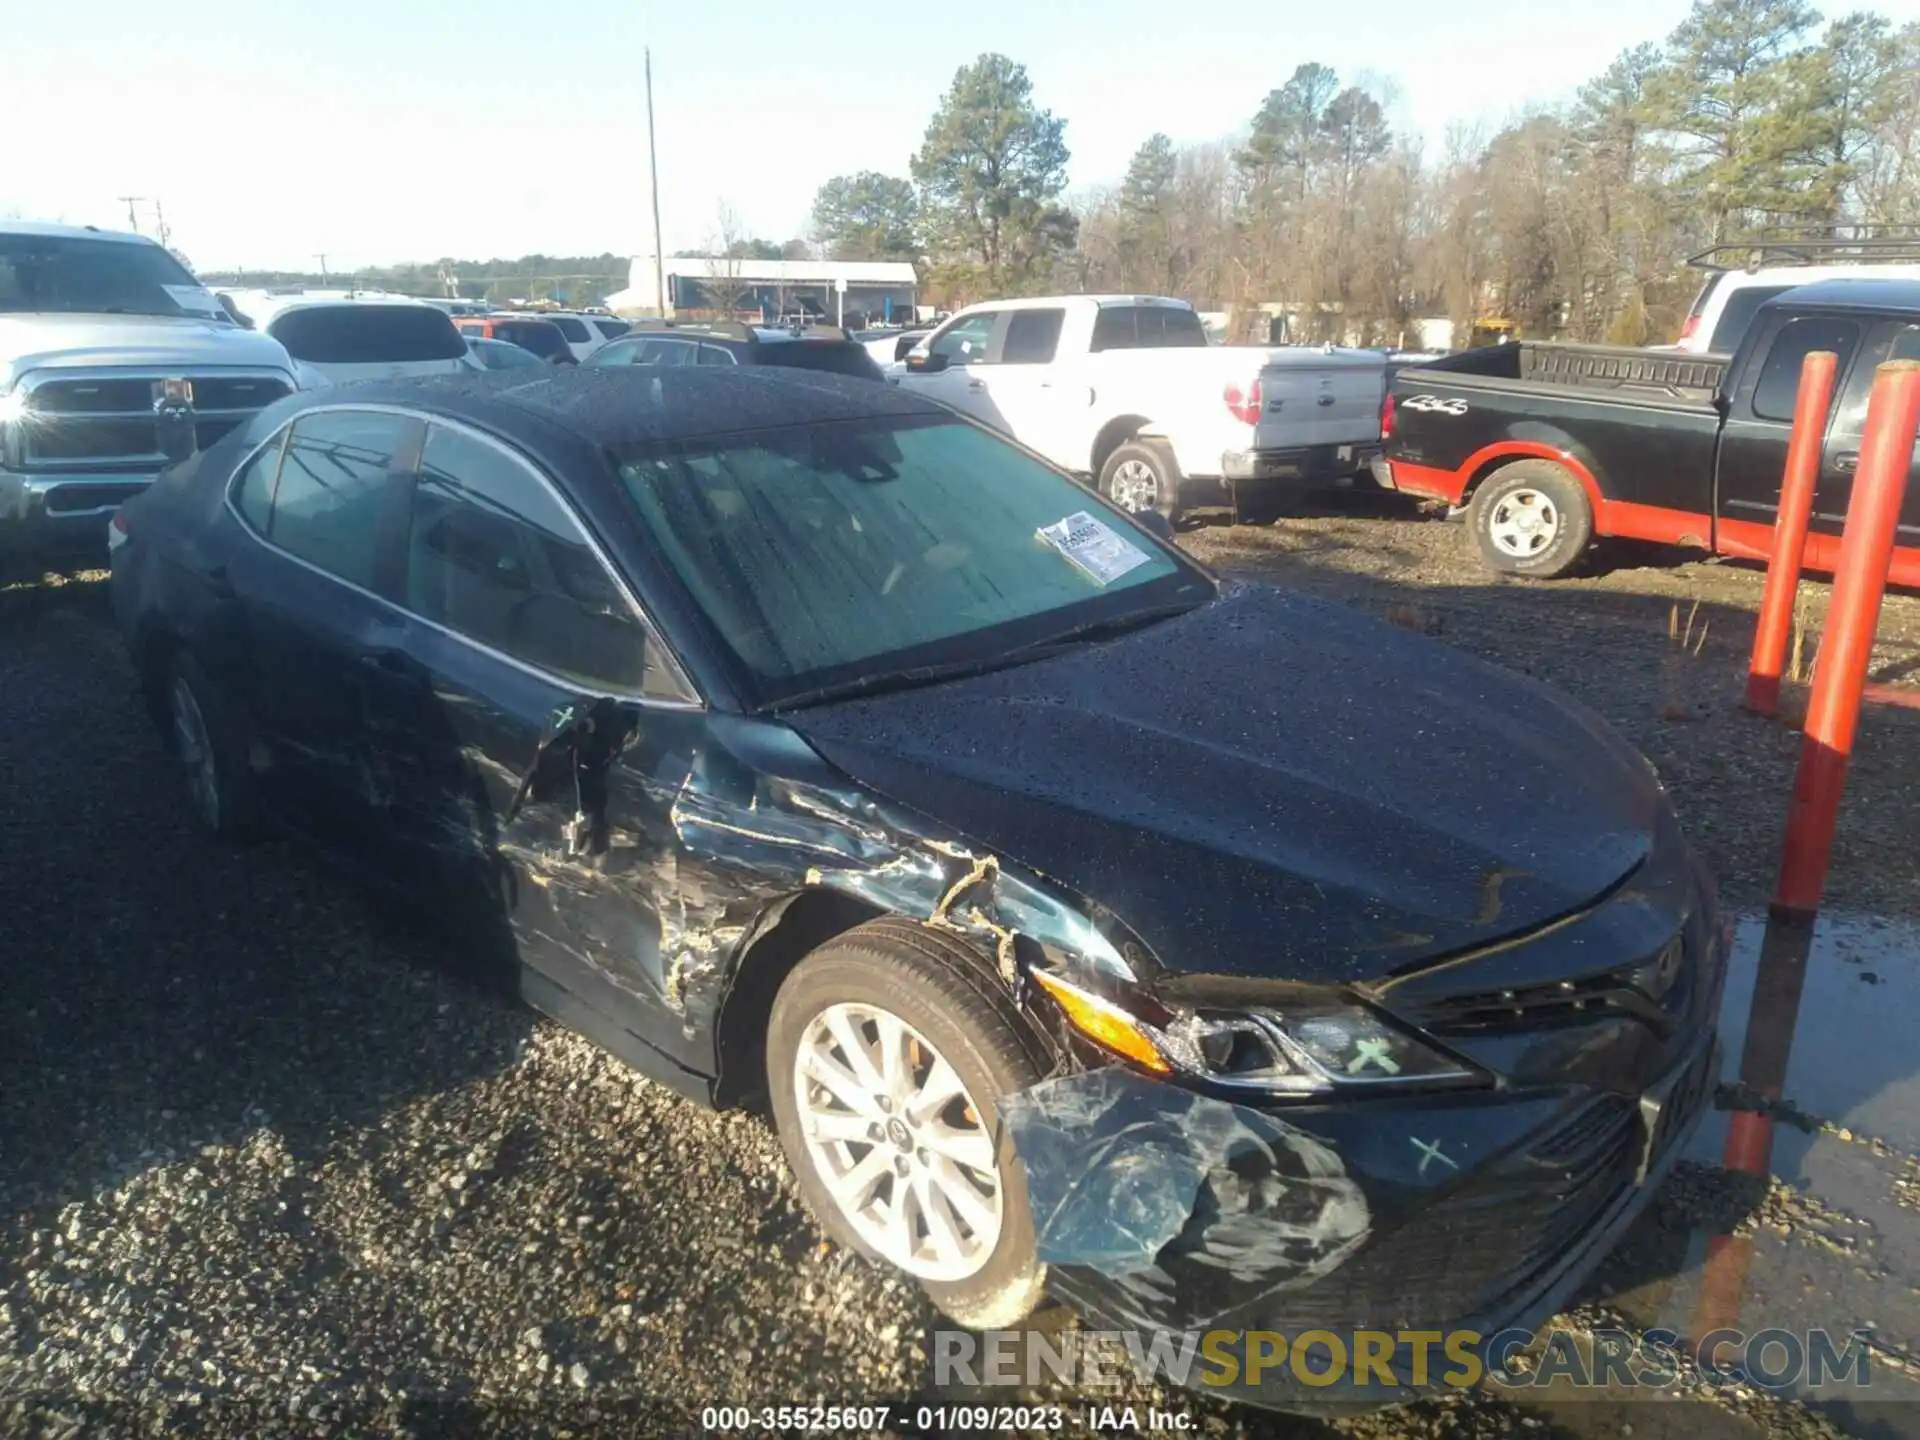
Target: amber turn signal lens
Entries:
(1104, 1023)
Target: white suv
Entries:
(1730, 298)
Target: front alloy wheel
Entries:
(887, 1050)
(898, 1142)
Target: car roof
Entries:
(71, 232)
(617, 407)
(1862, 294)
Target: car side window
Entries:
(493, 555)
(620, 352)
(1032, 337)
(966, 342)
(1890, 340)
(717, 355)
(666, 352)
(1779, 381)
(253, 486)
(332, 486)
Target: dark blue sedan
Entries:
(1214, 956)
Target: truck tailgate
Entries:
(1312, 398)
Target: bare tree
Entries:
(726, 244)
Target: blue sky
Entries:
(411, 129)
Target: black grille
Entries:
(207, 432)
(1647, 990)
(93, 397)
(228, 393)
(92, 438)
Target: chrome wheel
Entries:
(1524, 523)
(898, 1142)
(194, 747)
(1134, 487)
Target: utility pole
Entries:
(133, 219)
(321, 256)
(160, 223)
(653, 173)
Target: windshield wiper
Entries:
(1111, 626)
(887, 681)
(883, 682)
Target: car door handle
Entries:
(1846, 464)
(976, 384)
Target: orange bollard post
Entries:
(1859, 581)
(1790, 530)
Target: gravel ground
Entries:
(271, 1164)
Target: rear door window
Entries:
(575, 331)
(717, 355)
(1736, 316)
(1147, 327)
(493, 555)
(1779, 381)
(1032, 337)
(667, 352)
(333, 484)
(535, 335)
(253, 486)
(612, 329)
(367, 334)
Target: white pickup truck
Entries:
(1125, 389)
(107, 345)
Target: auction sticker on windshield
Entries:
(193, 298)
(1097, 550)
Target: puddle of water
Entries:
(1852, 1051)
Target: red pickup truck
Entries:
(1552, 446)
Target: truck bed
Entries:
(1590, 367)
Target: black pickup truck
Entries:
(1551, 446)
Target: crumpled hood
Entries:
(47, 342)
(1271, 785)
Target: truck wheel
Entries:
(1143, 476)
(886, 1049)
(1531, 518)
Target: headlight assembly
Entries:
(1323, 1047)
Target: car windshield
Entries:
(840, 556)
(60, 274)
(353, 334)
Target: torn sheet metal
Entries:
(1127, 1175)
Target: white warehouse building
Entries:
(833, 291)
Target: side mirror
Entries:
(1154, 523)
(929, 364)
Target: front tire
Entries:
(1142, 475)
(1531, 518)
(886, 1049)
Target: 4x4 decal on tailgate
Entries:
(1435, 405)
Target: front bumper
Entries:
(1485, 1247)
(63, 515)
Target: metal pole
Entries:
(653, 175)
(1790, 530)
(133, 220)
(322, 258)
(1853, 612)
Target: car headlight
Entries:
(13, 406)
(1317, 1047)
